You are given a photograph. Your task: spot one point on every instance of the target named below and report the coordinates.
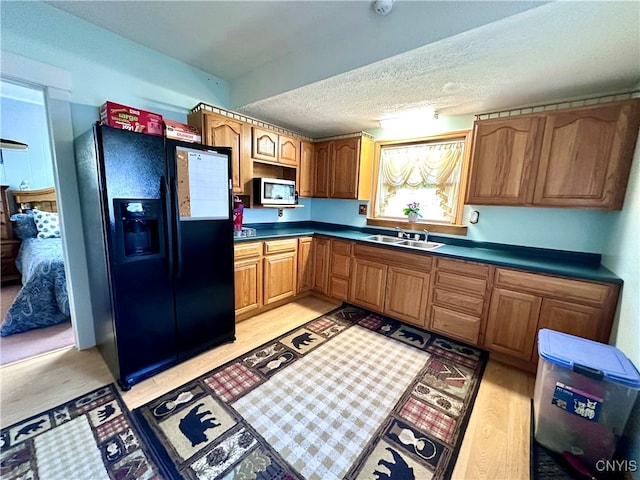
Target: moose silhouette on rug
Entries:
(193, 426)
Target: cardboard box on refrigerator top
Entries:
(128, 118)
(181, 131)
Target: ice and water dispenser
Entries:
(139, 227)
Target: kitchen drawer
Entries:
(456, 281)
(454, 324)
(458, 300)
(564, 288)
(472, 269)
(338, 288)
(280, 246)
(341, 247)
(340, 265)
(247, 250)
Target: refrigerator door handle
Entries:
(165, 195)
(177, 233)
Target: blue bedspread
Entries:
(43, 299)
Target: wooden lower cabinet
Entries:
(248, 277)
(280, 270)
(339, 269)
(459, 296)
(512, 323)
(368, 284)
(321, 248)
(406, 295)
(305, 264)
(248, 285)
(455, 324)
(522, 303)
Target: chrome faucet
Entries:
(426, 235)
(402, 233)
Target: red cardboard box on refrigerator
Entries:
(180, 131)
(129, 118)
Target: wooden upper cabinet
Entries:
(221, 131)
(288, 151)
(579, 157)
(269, 146)
(321, 169)
(586, 156)
(344, 168)
(504, 156)
(264, 145)
(306, 170)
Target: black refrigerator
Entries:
(158, 228)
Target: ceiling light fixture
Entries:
(382, 7)
(410, 119)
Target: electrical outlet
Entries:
(362, 210)
(474, 217)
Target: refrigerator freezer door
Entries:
(132, 167)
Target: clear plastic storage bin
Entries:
(583, 396)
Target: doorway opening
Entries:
(33, 295)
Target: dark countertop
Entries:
(556, 262)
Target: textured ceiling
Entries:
(325, 68)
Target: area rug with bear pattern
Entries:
(349, 395)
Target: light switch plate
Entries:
(362, 210)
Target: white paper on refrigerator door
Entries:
(208, 185)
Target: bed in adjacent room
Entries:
(43, 299)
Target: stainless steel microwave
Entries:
(274, 191)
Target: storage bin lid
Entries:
(588, 357)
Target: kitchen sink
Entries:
(421, 245)
(396, 241)
(383, 239)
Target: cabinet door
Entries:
(248, 285)
(322, 153)
(343, 168)
(572, 318)
(586, 157)
(321, 264)
(504, 160)
(305, 264)
(368, 283)
(512, 323)
(264, 144)
(288, 151)
(224, 132)
(279, 277)
(306, 171)
(406, 295)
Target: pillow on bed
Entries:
(47, 223)
(24, 226)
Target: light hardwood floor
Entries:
(496, 443)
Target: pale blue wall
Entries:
(26, 122)
(560, 228)
(105, 66)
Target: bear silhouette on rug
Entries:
(193, 426)
(302, 340)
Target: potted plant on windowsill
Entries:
(412, 211)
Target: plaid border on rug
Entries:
(90, 437)
(302, 406)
